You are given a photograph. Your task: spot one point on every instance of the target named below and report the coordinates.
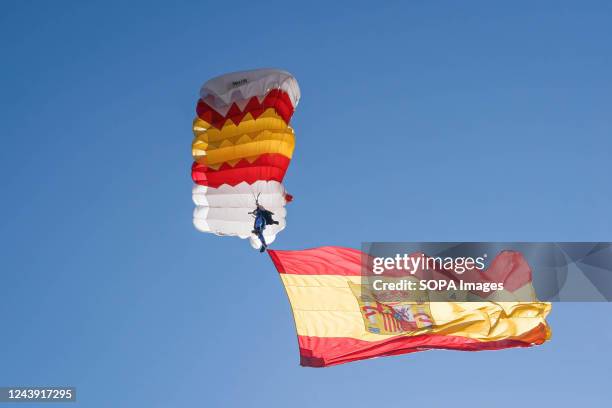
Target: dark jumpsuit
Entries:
(263, 218)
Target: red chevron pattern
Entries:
(269, 167)
(277, 99)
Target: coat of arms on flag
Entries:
(384, 317)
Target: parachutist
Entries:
(263, 218)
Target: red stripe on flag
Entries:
(328, 351)
(509, 267)
(327, 260)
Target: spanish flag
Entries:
(337, 322)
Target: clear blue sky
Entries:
(418, 121)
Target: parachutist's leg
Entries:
(263, 241)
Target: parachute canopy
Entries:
(241, 149)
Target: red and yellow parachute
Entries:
(242, 147)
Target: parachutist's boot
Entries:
(263, 248)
